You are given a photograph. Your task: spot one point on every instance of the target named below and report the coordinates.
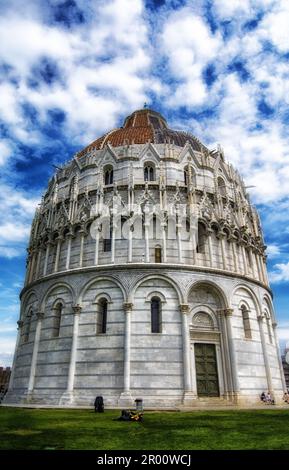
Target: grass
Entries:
(39, 429)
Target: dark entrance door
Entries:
(206, 370)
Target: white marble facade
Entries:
(211, 284)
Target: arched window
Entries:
(156, 316)
(248, 257)
(57, 319)
(221, 186)
(101, 323)
(201, 238)
(186, 176)
(189, 175)
(72, 186)
(158, 254)
(149, 172)
(246, 322)
(155, 227)
(108, 175)
(27, 326)
(107, 241)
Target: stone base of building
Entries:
(185, 400)
(126, 400)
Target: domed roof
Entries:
(142, 126)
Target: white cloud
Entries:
(6, 359)
(19, 209)
(283, 331)
(274, 26)
(273, 251)
(5, 151)
(187, 43)
(7, 345)
(86, 57)
(280, 273)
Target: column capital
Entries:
(184, 308)
(127, 306)
(20, 323)
(226, 312)
(40, 315)
(69, 235)
(76, 309)
(260, 317)
(274, 324)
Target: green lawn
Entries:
(83, 429)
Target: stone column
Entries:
(96, 246)
(113, 243)
(274, 325)
(68, 395)
(130, 232)
(256, 268)
(38, 262)
(48, 245)
(147, 243)
(125, 398)
(265, 355)
(194, 229)
(68, 253)
(223, 249)
(188, 394)
(82, 233)
(58, 246)
(28, 262)
(245, 264)
(164, 242)
(210, 247)
(235, 256)
(179, 227)
(260, 269)
(20, 324)
(227, 369)
(193, 372)
(40, 316)
(236, 388)
(30, 279)
(263, 261)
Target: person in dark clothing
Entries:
(98, 405)
(263, 396)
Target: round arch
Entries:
(57, 284)
(157, 276)
(252, 294)
(204, 309)
(269, 304)
(103, 278)
(220, 293)
(27, 296)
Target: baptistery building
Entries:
(146, 278)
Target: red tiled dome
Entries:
(142, 126)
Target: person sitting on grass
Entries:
(269, 400)
(286, 397)
(263, 396)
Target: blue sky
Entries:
(70, 70)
